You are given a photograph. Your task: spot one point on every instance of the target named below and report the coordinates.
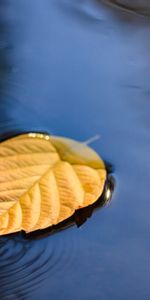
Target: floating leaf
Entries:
(44, 180)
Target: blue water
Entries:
(78, 69)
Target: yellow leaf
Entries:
(45, 179)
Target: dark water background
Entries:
(77, 69)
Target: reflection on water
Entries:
(80, 69)
(136, 6)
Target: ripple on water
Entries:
(26, 263)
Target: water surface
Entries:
(77, 69)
